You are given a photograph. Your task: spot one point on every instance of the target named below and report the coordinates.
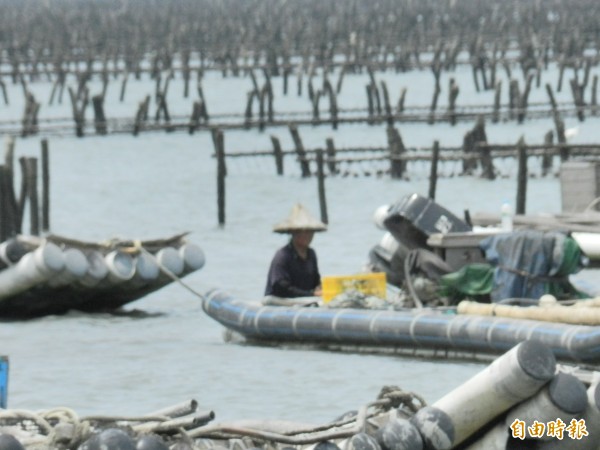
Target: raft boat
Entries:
(497, 408)
(501, 307)
(447, 332)
(53, 275)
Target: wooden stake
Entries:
(99, 118)
(278, 154)
(321, 186)
(218, 141)
(396, 146)
(434, 166)
(304, 166)
(45, 186)
(497, 96)
(331, 163)
(386, 103)
(34, 213)
(521, 177)
(547, 159)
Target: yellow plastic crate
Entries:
(367, 283)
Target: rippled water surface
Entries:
(158, 184)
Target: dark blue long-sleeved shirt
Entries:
(292, 276)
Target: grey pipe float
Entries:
(169, 260)
(146, 271)
(11, 251)
(564, 398)
(399, 434)
(363, 441)
(511, 378)
(192, 256)
(110, 438)
(36, 267)
(76, 266)
(435, 427)
(97, 269)
(146, 268)
(495, 439)
(120, 267)
(9, 442)
(591, 418)
(426, 328)
(150, 442)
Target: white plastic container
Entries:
(506, 217)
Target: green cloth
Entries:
(571, 263)
(473, 280)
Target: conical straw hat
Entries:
(299, 219)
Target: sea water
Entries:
(159, 184)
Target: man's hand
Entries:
(318, 292)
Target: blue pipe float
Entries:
(427, 328)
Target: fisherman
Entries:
(294, 271)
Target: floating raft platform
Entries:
(54, 274)
(494, 409)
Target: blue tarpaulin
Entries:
(531, 263)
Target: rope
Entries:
(397, 397)
(62, 428)
(592, 205)
(408, 262)
(23, 416)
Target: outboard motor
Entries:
(409, 223)
(388, 256)
(414, 218)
